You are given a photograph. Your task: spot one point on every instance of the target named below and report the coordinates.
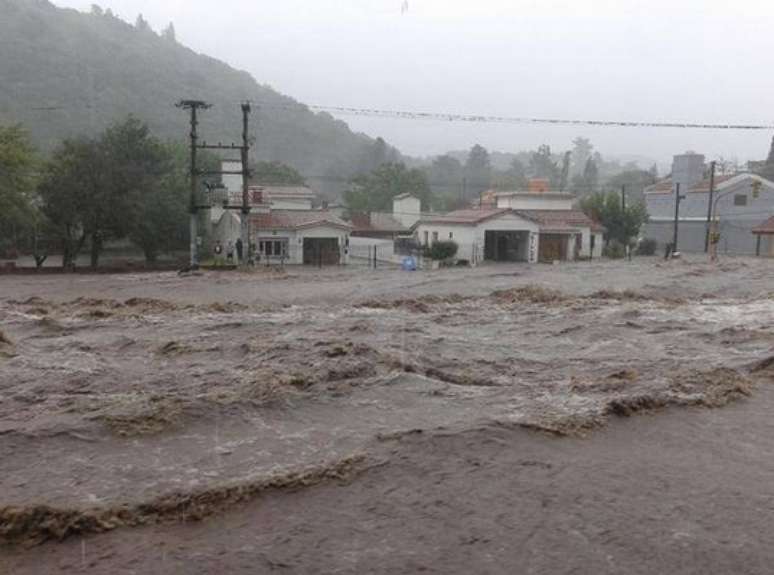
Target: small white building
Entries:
(520, 226)
(406, 209)
(310, 237)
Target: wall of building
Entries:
(471, 239)
(735, 236)
(537, 201)
(295, 239)
(290, 204)
(232, 182)
(407, 210)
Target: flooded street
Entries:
(348, 421)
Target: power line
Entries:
(488, 119)
(478, 118)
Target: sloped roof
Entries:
(561, 219)
(296, 219)
(295, 192)
(766, 227)
(548, 220)
(377, 222)
(465, 216)
(404, 196)
(665, 186)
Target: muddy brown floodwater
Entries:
(606, 417)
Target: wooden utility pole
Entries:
(709, 207)
(194, 106)
(245, 220)
(244, 206)
(678, 197)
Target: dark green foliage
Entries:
(614, 250)
(126, 183)
(276, 173)
(374, 192)
(514, 178)
(90, 70)
(621, 225)
(543, 165)
(647, 247)
(635, 182)
(442, 250)
(17, 185)
(478, 171)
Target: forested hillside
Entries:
(65, 73)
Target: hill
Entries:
(67, 73)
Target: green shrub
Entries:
(444, 250)
(647, 247)
(614, 250)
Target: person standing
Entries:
(218, 249)
(230, 253)
(239, 250)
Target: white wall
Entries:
(232, 182)
(290, 204)
(407, 210)
(296, 241)
(471, 238)
(535, 201)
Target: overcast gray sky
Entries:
(678, 60)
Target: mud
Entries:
(35, 525)
(130, 392)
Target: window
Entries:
(435, 237)
(276, 248)
(427, 240)
(451, 235)
(740, 200)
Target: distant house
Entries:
(525, 226)
(283, 226)
(384, 225)
(737, 211)
(308, 237)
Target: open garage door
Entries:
(506, 246)
(321, 251)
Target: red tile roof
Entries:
(561, 219)
(466, 216)
(296, 219)
(553, 220)
(766, 227)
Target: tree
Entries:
(565, 177)
(634, 181)
(169, 33)
(374, 192)
(514, 178)
(141, 24)
(622, 225)
(160, 219)
(542, 165)
(68, 191)
(17, 185)
(445, 177)
(96, 10)
(478, 171)
(581, 152)
(115, 186)
(276, 173)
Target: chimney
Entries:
(538, 185)
(688, 170)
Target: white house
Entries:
(483, 234)
(311, 237)
(527, 226)
(740, 201)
